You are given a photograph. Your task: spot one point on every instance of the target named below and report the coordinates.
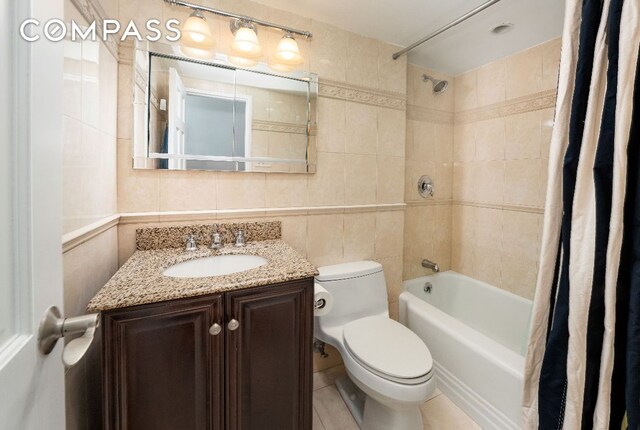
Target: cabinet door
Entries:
(163, 366)
(269, 379)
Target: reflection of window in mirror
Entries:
(216, 137)
(203, 124)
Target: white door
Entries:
(31, 384)
(177, 120)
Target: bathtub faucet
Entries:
(428, 264)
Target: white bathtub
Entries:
(477, 336)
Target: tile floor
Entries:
(330, 412)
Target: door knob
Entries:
(215, 329)
(233, 324)
(53, 327)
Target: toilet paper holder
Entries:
(319, 304)
(53, 327)
(322, 300)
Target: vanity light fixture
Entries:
(288, 52)
(196, 40)
(245, 49)
(245, 44)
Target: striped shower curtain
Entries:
(583, 363)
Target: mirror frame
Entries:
(143, 98)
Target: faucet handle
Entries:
(192, 243)
(216, 241)
(240, 239)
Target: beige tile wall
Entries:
(89, 195)
(90, 103)
(500, 157)
(89, 171)
(428, 151)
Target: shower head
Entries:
(438, 86)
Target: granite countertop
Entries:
(140, 280)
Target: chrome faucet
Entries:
(428, 264)
(216, 241)
(192, 244)
(240, 240)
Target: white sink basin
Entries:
(214, 266)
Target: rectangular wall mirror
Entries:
(195, 115)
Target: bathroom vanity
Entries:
(221, 352)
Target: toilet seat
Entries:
(388, 349)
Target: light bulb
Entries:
(246, 44)
(288, 52)
(196, 32)
(197, 37)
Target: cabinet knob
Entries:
(215, 329)
(233, 324)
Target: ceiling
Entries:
(462, 48)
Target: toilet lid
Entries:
(388, 348)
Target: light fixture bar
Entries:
(445, 28)
(240, 17)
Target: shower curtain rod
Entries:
(445, 28)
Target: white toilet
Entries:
(386, 360)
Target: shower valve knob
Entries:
(425, 186)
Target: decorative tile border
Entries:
(542, 100)
(213, 215)
(78, 237)
(279, 127)
(91, 10)
(419, 113)
(429, 202)
(174, 236)
(365, 95)
(513, 208)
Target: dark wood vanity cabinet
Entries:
(162, 369)
(269, 363)
(166, 366)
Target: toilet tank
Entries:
(358, 289)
